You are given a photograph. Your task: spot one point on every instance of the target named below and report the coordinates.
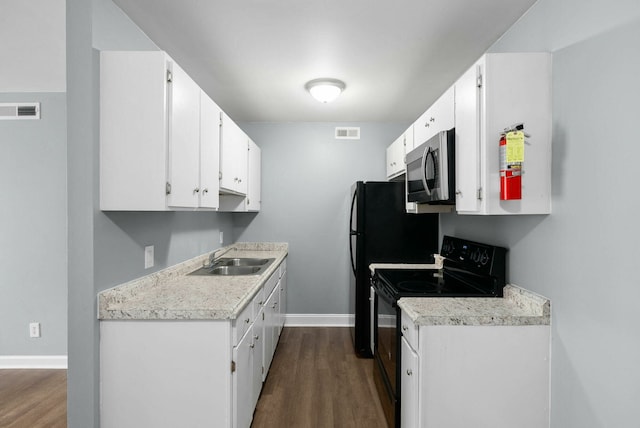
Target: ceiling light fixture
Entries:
(325, 90)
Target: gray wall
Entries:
(583, 255)
(106, 249)
(306, 179)
(33, 227)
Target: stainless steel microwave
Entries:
(431, 170)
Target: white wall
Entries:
(307, 176)
(33, 47)
(33, 222)
(583, 255)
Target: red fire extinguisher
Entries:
(511, 162)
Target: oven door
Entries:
(386, 355)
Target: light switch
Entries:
(148, 257)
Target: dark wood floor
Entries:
(316, 381)
(33, 398)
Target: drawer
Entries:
(409, 330)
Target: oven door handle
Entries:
(427, 153)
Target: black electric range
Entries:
(470, 269)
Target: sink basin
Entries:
(234, 266)
(235, 270)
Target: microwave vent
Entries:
(16, 111)
(347, 133)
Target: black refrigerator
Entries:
(382, 232)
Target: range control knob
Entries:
(484, 259)
(475, 256)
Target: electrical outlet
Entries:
(221, 237)
(148, 257)
(34, 329)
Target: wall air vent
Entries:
(347, 133)
(17, 111)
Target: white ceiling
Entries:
(253, 57)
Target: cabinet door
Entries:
(270, 329)
(243, 381)
(283, 300)
(133, 131)
(257, 368)
(409, 412)
(233, 157)
(395, 158)
(439, 117)
(254, 193)
(184, 140)
(467, 113)
(209, 152)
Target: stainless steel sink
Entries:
(238, 261)
(229, 266)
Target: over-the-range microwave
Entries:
(431, 170)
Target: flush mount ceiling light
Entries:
(325, 90)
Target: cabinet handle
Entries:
(196, 190)
(247, 320)
(432, 120)
(409, 372)
(274, 305)
(256, 337)
(205, 191)
(426, 125)
(405, 328)
(260, 302)
(253, 345)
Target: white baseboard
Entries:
(319, 320)
(33, 361)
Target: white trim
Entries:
(319, 320)
(33, 361)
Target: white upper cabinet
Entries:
(209, 152)
(252, 200)
(233, 158)
(254, 188)
(184, 139)
(155, 128)
(439, 117)
(396, 152)
(501, 90)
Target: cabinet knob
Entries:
(426, 125)
(405, 328)
(274, 305)
(205, 191)
(253, 345)
(247, 321)
(256, 337)
(458, 192)
(260, 302)
(196, 190)
(432, 120)
(409, 372)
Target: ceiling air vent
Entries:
(344, 133)
(16, 111)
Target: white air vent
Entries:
(16, 111)
(344, 133)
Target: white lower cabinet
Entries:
(500, 373)
(191, 373)
(409, 386)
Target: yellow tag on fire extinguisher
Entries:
(515, 146)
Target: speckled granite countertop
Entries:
(171, 294)
(517, 307)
